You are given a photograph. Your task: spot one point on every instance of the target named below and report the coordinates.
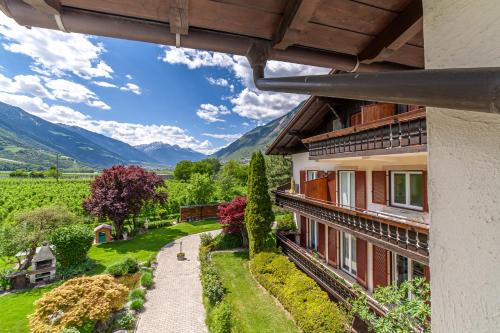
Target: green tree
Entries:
(227, 187)
(72, 244)
(30, 229)
(52, 172)
(405, 314)
(183, 170)
(236, 170)
(207, 166)
(279, 170)
(258, 213)
(200, 189)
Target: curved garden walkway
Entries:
(175, 302)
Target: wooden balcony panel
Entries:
(405, 132)
(403, 236)
(317, 189)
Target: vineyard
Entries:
(24, 194)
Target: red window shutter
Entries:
(379, 267)
(379, 191)
(332, 247)
(360, 183)
(425, 204)
(321, 239)
(361, 261)
(427, 273)
(302, 181)
(303, 231)
(332, 186)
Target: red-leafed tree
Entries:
(120, 192)
(232, 218)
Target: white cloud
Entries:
(73, 92)
(54, 52)
(128, 76)
(250, 102)
(27, 84)
(225, 137)
(220, 82)
(132, 87)
(211, 113)
(104, 84)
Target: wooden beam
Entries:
(49, 7)
(295, 18)
(403, 28)
(178, 17)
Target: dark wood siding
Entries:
(380, 276)
(321, 239)
(303, 231)
(379, 189)
(360, 184)
(332, 186)
(302, 181)
(332, 247)
(361, 261)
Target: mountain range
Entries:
(27, 141)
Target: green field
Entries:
(18, 194)
(253, 309)
(15, 307)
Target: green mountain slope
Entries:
(256, 139)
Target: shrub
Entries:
(4, 280)
(227, 241)
(76, 302)
(221, 318)
(137, 304)
(258, 212)
(299, 294)
(147, 279)
(127, 266)
(137, 294)
(285, 222)
(232, 217)
(206, 239)
(212, 284)
(126, 321)
(65, 273)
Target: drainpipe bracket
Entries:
(257, 56)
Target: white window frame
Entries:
(351, 270)
(314, 175)
(309, 239)
(408, 191)
(352, 174)
(395, 268)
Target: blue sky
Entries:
(137, 92)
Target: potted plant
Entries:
(181, 255)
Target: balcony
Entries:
(402, 133)
(406, 236)
(328, 278)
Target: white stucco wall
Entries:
(464, 174)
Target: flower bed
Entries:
(310, 306)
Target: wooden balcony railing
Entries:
(327, 278)
(405, 236)
(317, 188)
(406, 132)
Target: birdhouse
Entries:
(102, 233)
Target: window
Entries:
(348, 248)
(312, 234)
(346, 188)
(405, 269)
(407, 189)
(312, 174)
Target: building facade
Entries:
(360, 199)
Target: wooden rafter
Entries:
(49, 7)
(404, 27)
(295, 18)
(178, 17)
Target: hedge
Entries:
(72, 244)
(310, 306)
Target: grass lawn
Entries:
(254, 310)
(15, 307)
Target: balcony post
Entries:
(464, 179)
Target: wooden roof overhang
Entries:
(366, 35)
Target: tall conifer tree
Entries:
(258, 213)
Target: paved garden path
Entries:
(175, 303)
